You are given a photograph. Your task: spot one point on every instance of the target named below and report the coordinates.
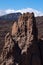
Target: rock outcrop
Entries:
(21, 44)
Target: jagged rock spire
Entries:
(20, 43)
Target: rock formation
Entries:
(21, 44)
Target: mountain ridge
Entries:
(11, 16)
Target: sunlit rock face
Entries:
(21, 43)
(24, 30)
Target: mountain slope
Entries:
(12, 16)
(39, 21)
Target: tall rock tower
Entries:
(21, 43)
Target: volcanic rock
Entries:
(21, 44)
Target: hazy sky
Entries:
(20, 4)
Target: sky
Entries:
(11, 6)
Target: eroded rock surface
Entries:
(21, 44)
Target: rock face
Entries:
(21, 44)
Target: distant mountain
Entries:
(11, 16)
